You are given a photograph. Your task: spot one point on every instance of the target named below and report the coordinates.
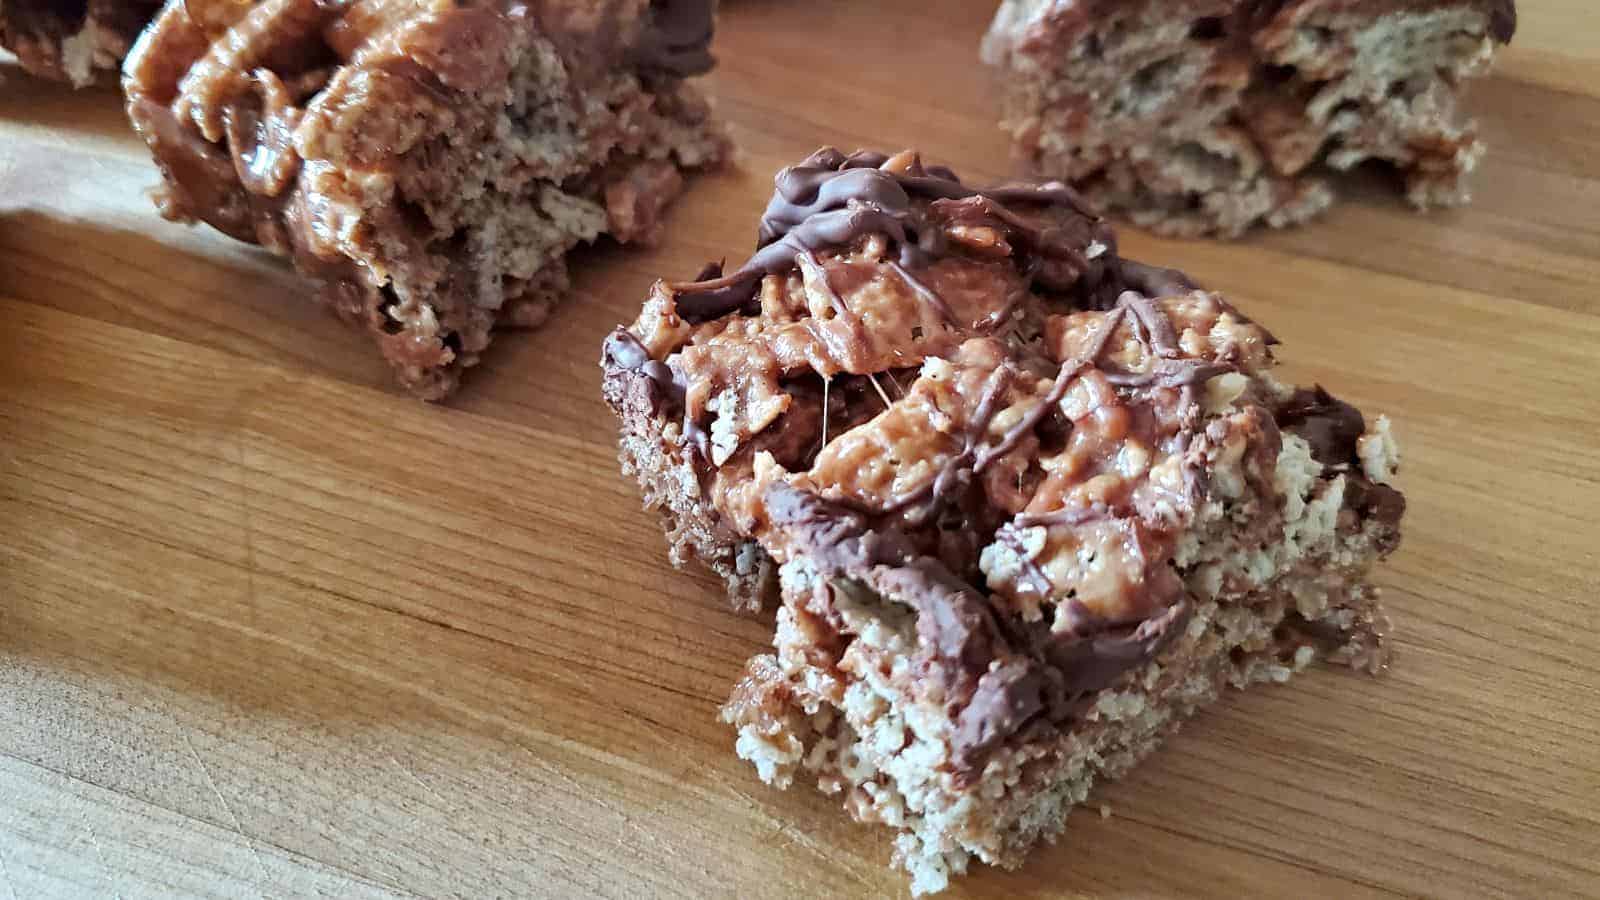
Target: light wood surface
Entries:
(268, 628)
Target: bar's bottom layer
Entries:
(849, 720)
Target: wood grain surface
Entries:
(269, 628)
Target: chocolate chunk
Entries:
(1153, 281)
(954, 622)
(1007, 699)
(1093, 662)
(1330, 425)
(1379, 505)
(1503, 20)
(677, 38)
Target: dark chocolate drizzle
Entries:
(1151, 281)
(958, 471)
(832, 199)
(1071, 515)
(1168, 370)
(1170, 373)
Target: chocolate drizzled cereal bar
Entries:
(72, 40)
(1210, 116)
(426, 164)
(1025, 504)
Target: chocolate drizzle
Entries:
(1070, 515)
(831, 200)
(956, 472)
(974, 457)
(1168, 370)
(1151, 281)
(934, 301)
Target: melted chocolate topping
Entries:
(1167, 371)
(831, 200)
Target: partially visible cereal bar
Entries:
(1024, 504)
(1211, 116)
(426, 164)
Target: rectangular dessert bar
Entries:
(1210, 116)
(1024, 504)
(426, 164)
(72, 40)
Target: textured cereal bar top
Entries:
(1024, 504)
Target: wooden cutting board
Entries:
(268, 627)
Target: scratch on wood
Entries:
(578, 787)
(444, 806)
(105, 869)
(583, 792)
(797, 836)
(657, 728)
(238, 827)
